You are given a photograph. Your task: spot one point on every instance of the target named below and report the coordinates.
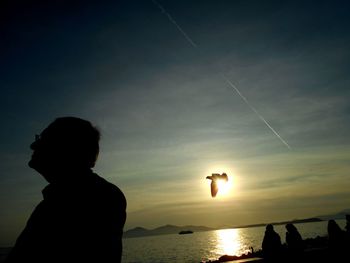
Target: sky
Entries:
(154, 77)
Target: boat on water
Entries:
(184, 232)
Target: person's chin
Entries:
(34, 164)
(31, 163)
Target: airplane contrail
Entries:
(255, 111)
(223, 76)
(172, 20)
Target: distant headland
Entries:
(163, 230)
(172, 229)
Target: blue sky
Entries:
(167, 117)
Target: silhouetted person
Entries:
(347, 226)
(347, 230)
(336, 239)
(271, 244)
(294, 241)
(81, 216)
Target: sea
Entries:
(209, 245)
(203, 246)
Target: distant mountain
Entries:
(136, 232)
(172, 229)
(299, 221)
(163, 230)
(338, 215)
(295, 221)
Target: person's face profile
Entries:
(45, 153)
(36, 142)
(41, 142)
(65, 145)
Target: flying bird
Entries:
(214, 185)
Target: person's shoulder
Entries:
(109, 190)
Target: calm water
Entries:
(208, 245)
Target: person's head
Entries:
(291, 228)
(333, 227)
(67, 144)
(269, 228)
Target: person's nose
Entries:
(35, 143)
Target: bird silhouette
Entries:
(214, 186)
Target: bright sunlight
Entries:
(229, 242)
(224, 186)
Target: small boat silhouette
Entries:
(185, 232)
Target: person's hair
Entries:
(291, 228)
(78, 139)
(269, 227)
(333, 227)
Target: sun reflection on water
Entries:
(229, 242)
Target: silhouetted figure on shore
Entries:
(294, 241)
(336, 240)
(335, 234)
(214, 186)
(81, 216)
(347, 226)
(271, 245)
(347, 230)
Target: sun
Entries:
(224, 186)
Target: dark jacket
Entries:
(78, 221)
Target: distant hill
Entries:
(172, 229)
(162, 230)
(338, 215)
(136, 232)
(295, 221)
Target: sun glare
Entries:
(229, 242)
(225, 188)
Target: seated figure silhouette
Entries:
(336, 237)
(294, 241)
(271, 245)
(347, 230)
(347, 226)
(81, 216)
